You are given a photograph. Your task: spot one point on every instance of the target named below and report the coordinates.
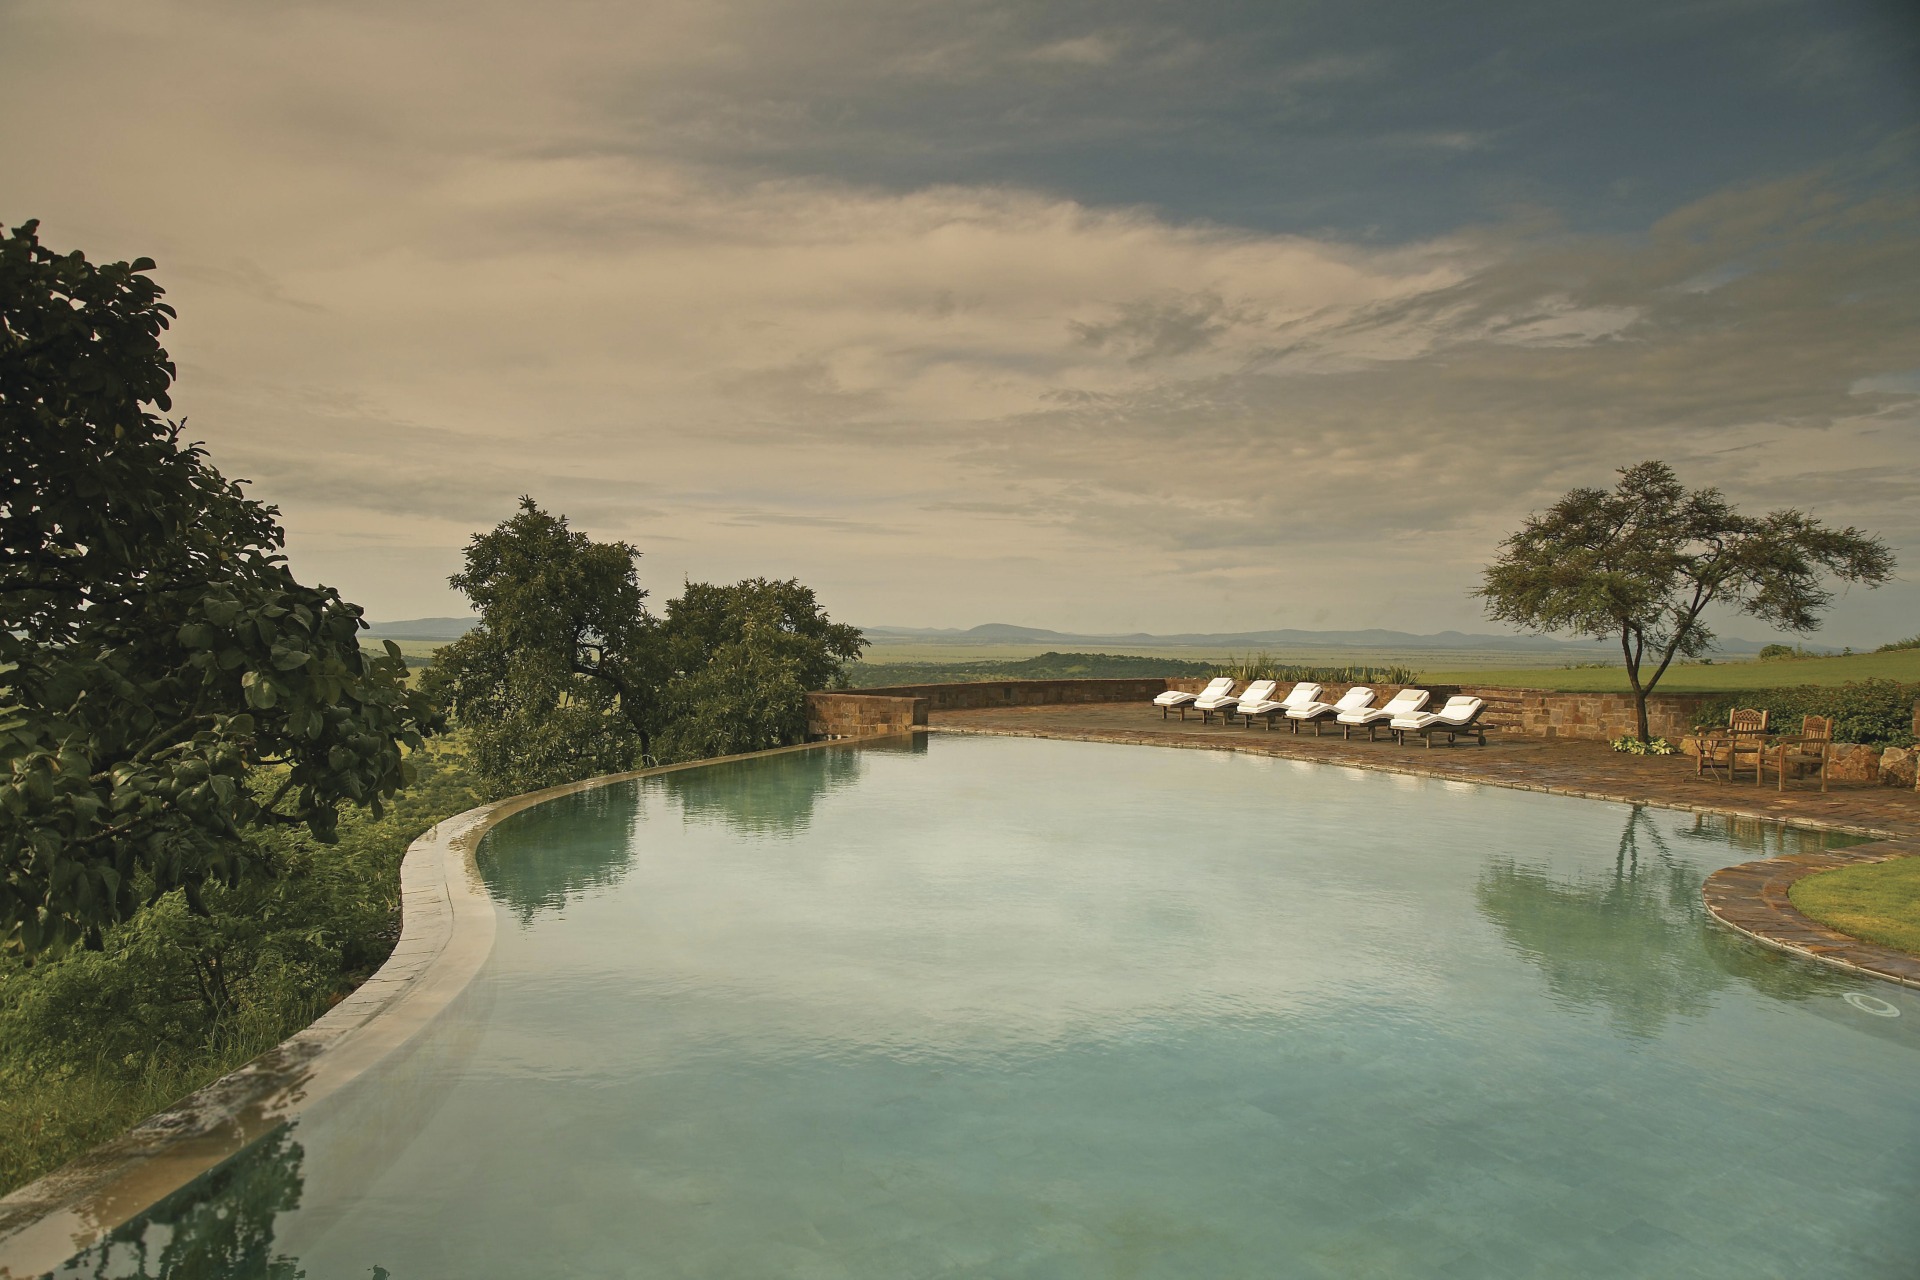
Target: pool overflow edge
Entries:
(447, 929)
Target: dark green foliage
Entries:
(154, 647)
(742, 659)
(568, 676)
(1876, 712)
(1642, 564)
(1783, 653)
(1262, 667)
(558, 682)
(94, 1040)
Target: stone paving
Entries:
(1751, 898)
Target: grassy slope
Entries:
(65, 1090)
(1880, 903)
(1903, 665)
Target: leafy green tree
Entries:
(568, 675)
(742, 659)
(560, 679)
(1643, 563)
(155, 650)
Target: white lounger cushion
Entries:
(1459, 710)
(1215, 698)
(1258, 691)
(1352, 700)
(1403, 703)
(1174, 697)
(1300, 695)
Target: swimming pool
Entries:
(1013, 1007)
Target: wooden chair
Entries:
(1811, 750)
(1745, 735)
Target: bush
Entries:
(1875, 712)
(1782, 653)
(1633, 746)
(1261, 666)
(1912, 642)
(95, 1041)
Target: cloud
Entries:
(426, 265)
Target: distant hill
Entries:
(422, 629)
(1370, 638)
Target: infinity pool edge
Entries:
(447, 931)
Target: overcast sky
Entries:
(1104, 316)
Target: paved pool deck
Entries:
(1751, 897)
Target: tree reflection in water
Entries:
(1635, 941)
(775, 795)
(562, 850)
(218, 1227)
(565, 848)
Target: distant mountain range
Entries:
(1370, 638)
(1006, 633)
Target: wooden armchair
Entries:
(1744, 737)
(1810, 751)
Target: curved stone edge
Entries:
(1752, 898)
(447, 929)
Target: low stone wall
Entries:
(1594, 716)
(1533, 713)
(963, 696)
(862, 715)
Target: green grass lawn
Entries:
(1880, 903)
(1902, 665)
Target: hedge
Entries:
(1875, 712)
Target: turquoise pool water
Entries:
(1018, 1008)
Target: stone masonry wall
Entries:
(861, 715)
(964, 696)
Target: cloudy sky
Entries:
(1097, 316)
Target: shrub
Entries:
(1635, 747)
(1875, 712)
(1911, 642)
(1262, 666)
(93, 1041)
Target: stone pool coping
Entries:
(1752, 898)
(447, 930)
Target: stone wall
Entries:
(1534, 713)
(964, 696)
(861, 715)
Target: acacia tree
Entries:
(1643, 563)
(155, 650)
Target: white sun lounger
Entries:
(1358, 698)
(1460, 715)
(1403, 703)
(1178, 698)
(1299, 696)
(1222, 703)
(1254, 694)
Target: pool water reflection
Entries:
(1008, 1007)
